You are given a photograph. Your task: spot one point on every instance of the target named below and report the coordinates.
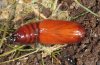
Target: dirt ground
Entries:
(87, 52)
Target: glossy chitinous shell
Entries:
(50, 32)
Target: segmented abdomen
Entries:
(26, 33)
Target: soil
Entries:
(87, 52)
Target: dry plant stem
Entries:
(42, 62)
(9, 52)
(4, 35)
(83, 13)
(56, 59)
(21, 56)
(39, 14)
(86, 8)
(55, 4)
(21, 48)
(49, 50)
(55, 11)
